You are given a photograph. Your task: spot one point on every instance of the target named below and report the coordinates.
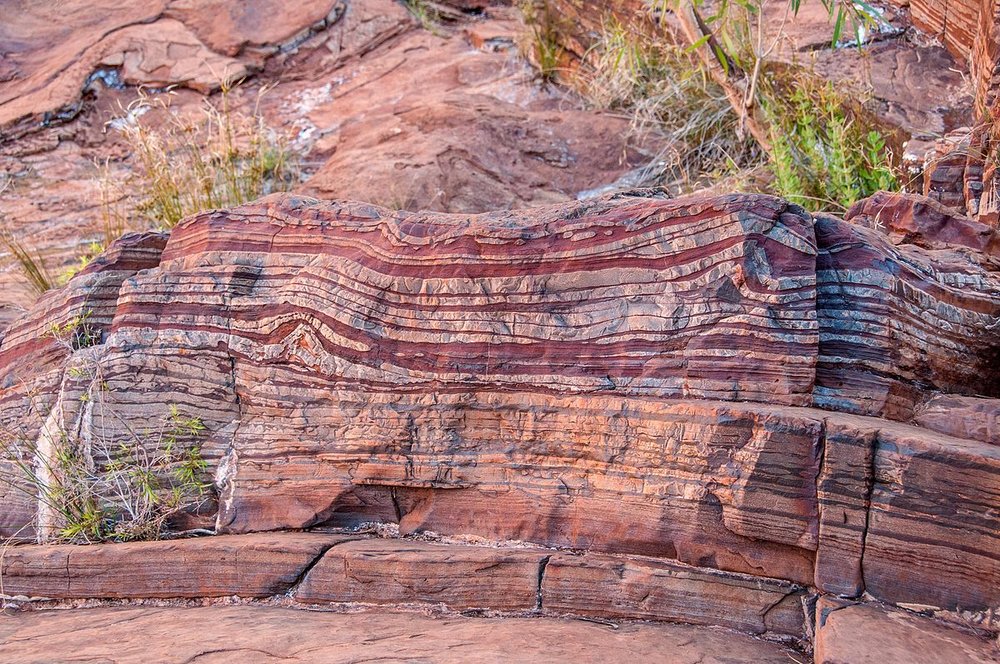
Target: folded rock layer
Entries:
(721, 382)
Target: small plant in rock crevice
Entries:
(96, 477)
(29, 262)
(425, 13)
(182, 165)
(541, 43)
(99, 488)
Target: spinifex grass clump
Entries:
(33, 271)
(184, 165)
(541, 42)
(34, 274)
(723, 109)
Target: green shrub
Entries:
(825, 152)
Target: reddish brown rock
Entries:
(405, 572)
(33, 353)
(898, 320)
(365, 89)
(560, 376)
(985, 60)
(912, 219)
(438, 125)
(248, 565)
(843, 490)
(136, 635)
(54, 49)
(963, 417)
(933, 535)
(904, 516)
(848, 633)
(611, 587)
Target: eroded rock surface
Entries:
(635, 376)
(847, 632)
(271, 634)
(376, 108)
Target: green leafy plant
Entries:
(100, 488)
(824, 153)
(723, 110)
(425, 13)
(76, 333)
(97, 477)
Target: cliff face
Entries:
(721, 382)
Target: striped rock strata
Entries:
(634, 375)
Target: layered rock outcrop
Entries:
(728, 403)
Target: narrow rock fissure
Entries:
(820, 464)
(872, 462)
(294, 585)
(541, 573)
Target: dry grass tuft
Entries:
(223, 157)
(541, 41)
(661, 88)
(34, 274)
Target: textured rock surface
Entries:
(611, 587)
(32, 356)
(848, 633)
(52, 50)
(258, 565)
(458, 125)
(933, 531)
(270, 634)
(897, 320)
(379, 110)
(399, 572)
(557, 376)
(653, 381)
(962, 417)
(916, 220)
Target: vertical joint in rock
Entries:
(541, 574)
(870, 478)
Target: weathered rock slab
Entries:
(408, 572)
(257, 565)
(269, 634)
(647, 589)
(849, 633)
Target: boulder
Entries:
(849, 633)
(631, 376)
(898, 321)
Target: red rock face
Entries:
(897, 321)
(632, 376)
